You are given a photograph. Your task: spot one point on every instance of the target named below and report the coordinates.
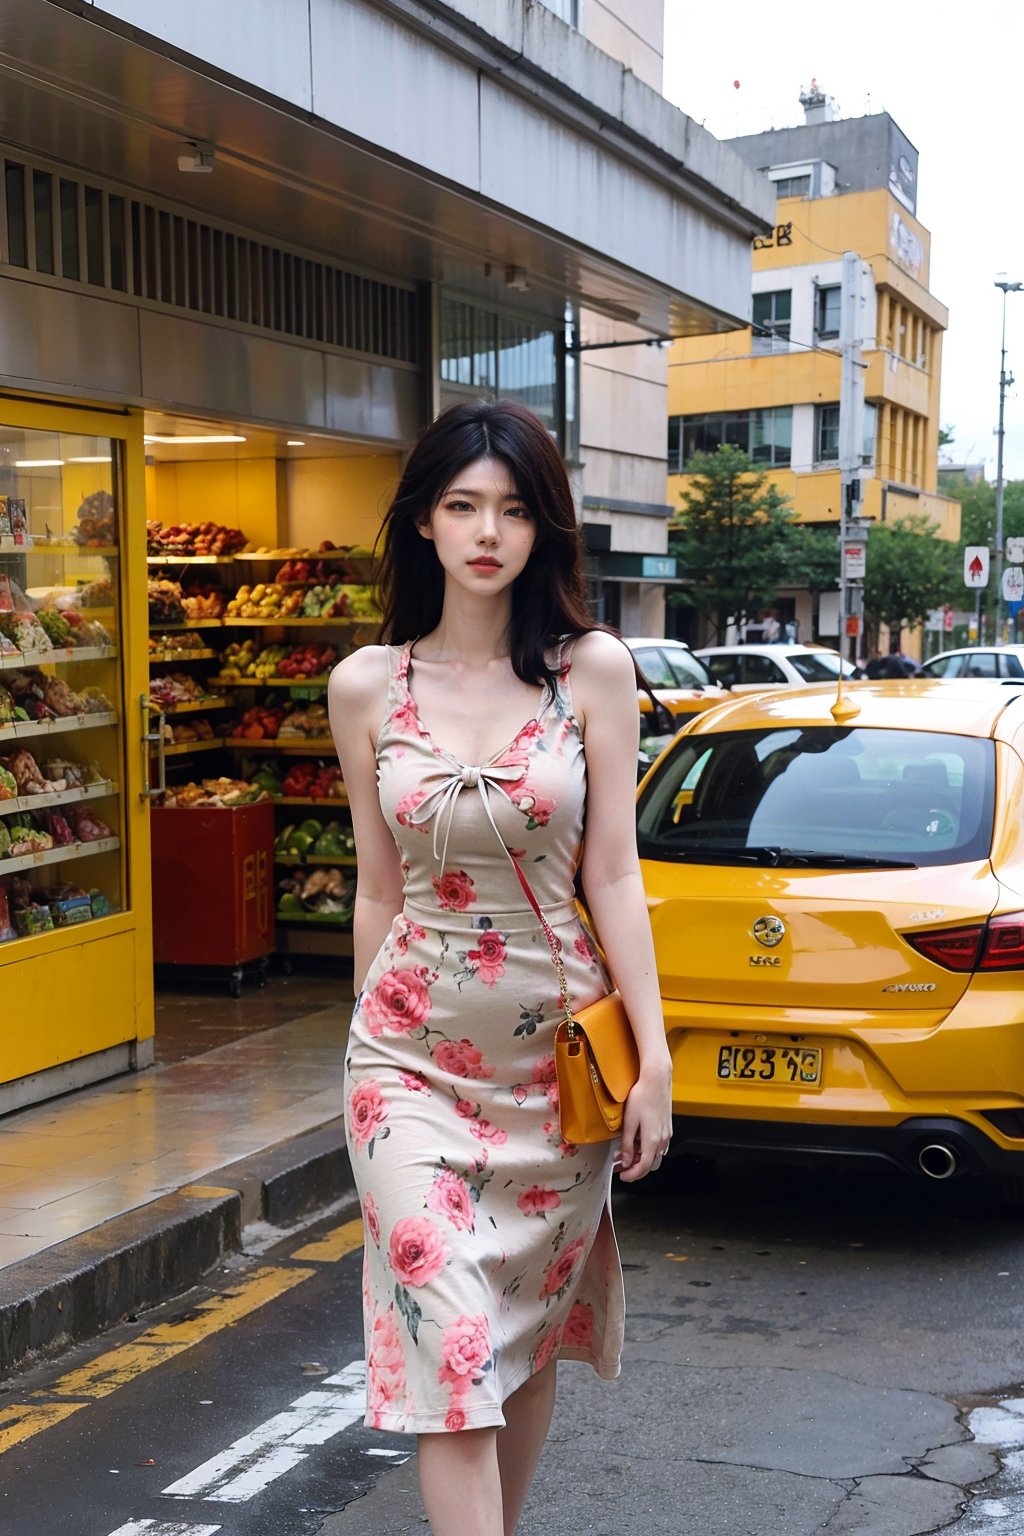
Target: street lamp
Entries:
(1005, 380)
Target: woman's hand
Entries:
(647, 1122)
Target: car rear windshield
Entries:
(815, 669)
(832, 795)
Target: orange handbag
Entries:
(596, 1058)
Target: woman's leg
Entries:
(527, 1419)
(460, 1482)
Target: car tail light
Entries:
(997, 945)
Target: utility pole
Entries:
(852, 527)
(1005, 382)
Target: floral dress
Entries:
(489, 1244)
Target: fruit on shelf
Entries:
(193, 539)
(307, 661)
(308, 571)
(258, 724)
(177, 688)
(266, 600)
(24, 631)
(88, 827)
(187, 730)
(203, 600)
(325, 891)
(295, 662)
(310, 723)
(24, 769)
(95, 520)
(267, 776)
(313, 781)
(211, 794)
(8, 783)
(165, 601)
(176, 642)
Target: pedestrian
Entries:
(770, 628)
(472, 742)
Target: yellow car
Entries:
(681, 685)
(838, 917)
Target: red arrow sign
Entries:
(975, 567)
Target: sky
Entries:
(951, 75)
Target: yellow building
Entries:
(773, 388)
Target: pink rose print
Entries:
(489, 958)
(584, 948)
(385, 1369)
(465, 1349)
(449, 1196)
(454, 890)
(546, 1348)
(561, 1270)
(579, 1327)
(371, 1217)
(367, 1112)
(536, 1200)
(415, 1082)
(544, 1070)
(399, 1001)
(405, 720)
(465, 1109)
(552, 1093)
(537, 808)
(417, 1250)
(408, 933)
(406, 806)
(455, 1419)
(483, 1130)
(516, 756)
(462, 1059)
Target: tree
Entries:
(735, 536)
(947, 435)
(909, 572)
(814, 559)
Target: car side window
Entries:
(942, 666)
(722, 668)
(654, 667)
(760, 669)
(687, 670)
(982, 664)
(1010, 665)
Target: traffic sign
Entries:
(1013, 584)
(1015, 551)
(976, 565)
(855, 560)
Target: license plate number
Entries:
(798, 1066)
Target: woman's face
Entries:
(481, 528)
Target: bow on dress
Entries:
(441, 801)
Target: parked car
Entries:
(743, 668)
(838, 916)
(678, 679)
(997, 663)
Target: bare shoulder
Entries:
(361, 680)
(601, 660)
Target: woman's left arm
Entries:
(604, 693)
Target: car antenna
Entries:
(844, 708)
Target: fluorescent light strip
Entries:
(190, 441)
(38, 463)
(295, 442)
(91, 458)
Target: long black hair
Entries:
(549, 600)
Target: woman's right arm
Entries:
(356, 698)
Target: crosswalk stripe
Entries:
(280, 1443)
(164, 1528)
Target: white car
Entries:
(746, 668)
(997, 663)
(678, 680)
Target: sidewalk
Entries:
(129, 1188)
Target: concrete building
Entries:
(773, 387)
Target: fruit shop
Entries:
(173, 596)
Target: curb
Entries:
(77, 1289)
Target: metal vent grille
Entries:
(79, 233)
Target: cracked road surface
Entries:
(805, 1353)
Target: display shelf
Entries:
(58, 855)
(57, 654)
(201, 653)
(303, 861)
(172, 626)
(304, 748)
(289, 622)
(271, 682)
(309, 800)
(58, 797)
(316, 940)
(340, 921)
(17, 730)
(199, 706)
(43, 546)
(186, 748)
(190, 559)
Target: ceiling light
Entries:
(38, 463)
(227, 437)
(90, 458)
(295, 442)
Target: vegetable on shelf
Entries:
(315, 781)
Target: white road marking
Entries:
(164, 1528)
(273, 1448)
(376, 1450)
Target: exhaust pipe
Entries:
(937, 1161)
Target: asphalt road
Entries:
(804, 1351)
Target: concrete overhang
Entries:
(462, 143)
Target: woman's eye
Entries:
(519, 512)
(458, 506)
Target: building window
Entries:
(487, 353)
(826, 434)
(567, 9)
(772, 312)
(793, 186)
(766, 435)
(870, 432)
(826, 311)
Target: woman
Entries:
(489, 1249)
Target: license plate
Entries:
(795, 1066)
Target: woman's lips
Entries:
(485, 564)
